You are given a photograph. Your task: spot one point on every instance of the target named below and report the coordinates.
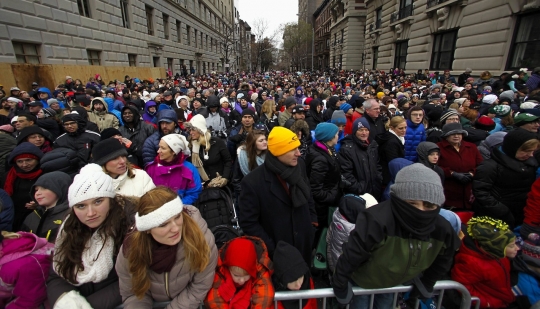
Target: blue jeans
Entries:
(381, 301)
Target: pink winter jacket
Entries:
(24, 268)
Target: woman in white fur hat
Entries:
(87, 244)
(170, 168)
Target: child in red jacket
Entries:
(291, 273)
(243, 276)
(482, 265)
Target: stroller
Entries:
(217, 208)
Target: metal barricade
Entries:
(438, 289)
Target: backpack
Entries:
(217, 208)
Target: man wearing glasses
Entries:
(77, 137)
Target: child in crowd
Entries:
(291, 273)
(527, 266)
(243, 276)
(482, 263)
(343, 222)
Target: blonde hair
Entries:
(139, 254)
(129, 166)
(529, 145)
(238, 271)
(394, 122)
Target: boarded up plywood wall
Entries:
(22, 75)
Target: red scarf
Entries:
(238, 297)
(14, 174)
(46, 147)
(163, 257)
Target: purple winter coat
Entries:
(24, 268)
(180, 177)
(146, 115)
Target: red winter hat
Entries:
(485, 123)
(241, 253)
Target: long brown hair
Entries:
(251, 147)
(77, 235)
(129, 166)
(139, 254)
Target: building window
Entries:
(132, 58)
(378, 18)
(124, 7)
(170, 63)
(178, 31)
(405, 10)
(375, 57)
(94, 57)
(84, 9)
(156, 61)
(149, 19)
(526, 45)
(188, 32)
(400, 58)
(26, 53)
(442, 54)
(166, 26)
(196, 38)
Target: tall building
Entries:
(99, 35)
(306, 8)
(244, 49)
(453, 35)
(339, 27)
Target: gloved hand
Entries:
(464, 178)
(218, 182)
(344, 297)
(72, 300)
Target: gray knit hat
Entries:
(417, 182)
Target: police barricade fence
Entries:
(438, 289)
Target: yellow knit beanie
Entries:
(282, 140)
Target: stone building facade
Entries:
(134, 33)
(494, 35)
(346, 21)
(244, 46)
(321, 26)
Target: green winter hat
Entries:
(491, 234)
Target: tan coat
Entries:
(103, 119)
(185, 287)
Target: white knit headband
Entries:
(158, 216)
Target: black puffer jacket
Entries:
(62, 160)
(81, 141)
(360, 167)
(323, 170)
(138, 134)
(390, 148)
(500, 187)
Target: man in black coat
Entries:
(275, 201)
(77, 137)
(372, 111)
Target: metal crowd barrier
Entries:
(438, 289)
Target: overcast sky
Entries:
(276, 12)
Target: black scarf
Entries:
(163, 257)
(293, 175)
(417, 222)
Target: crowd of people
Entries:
(408, 178)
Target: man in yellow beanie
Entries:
(275, 201)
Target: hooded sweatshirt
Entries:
(148, 116)
(423, 150)
(24, 268)
(44, 101)
(103, 119)
(45, 222)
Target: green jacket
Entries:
(381, 253)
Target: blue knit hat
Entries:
(345, 107)
(338, 118)
(361, 122)
(325, 131)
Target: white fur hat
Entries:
(199, 123)
(91, 182)
(370, 200)
(177, 143)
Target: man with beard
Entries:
(167, 123)
(135, 130)
(77, 137)
(5, 107)
(99, 114)
(243, 104)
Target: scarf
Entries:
(415, 221)
(293, 176)
(46, 147)
(195, 156)
(237, 297)
(14, 173)
(243, 161)
(163, 257)
(401, 138)
(97, 258)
